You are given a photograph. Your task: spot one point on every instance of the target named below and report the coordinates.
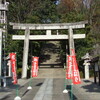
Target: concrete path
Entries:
(51, 73)
(4, 92)
(45, 91)
(87, 90)
(50, 87)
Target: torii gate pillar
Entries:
(0, 51)
(48, 36)
(25, 53)
(71, 40)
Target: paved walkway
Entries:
(85, 91)
(45, 90)
(7, 90)
(51, 73)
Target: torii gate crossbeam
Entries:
(48, 28)
(56, 26)
(47, 37)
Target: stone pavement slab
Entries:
(51, 73)
(55, 82)
(87, 90)
(7, 90)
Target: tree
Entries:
(47, 11)
(94, 21)
(29, 11)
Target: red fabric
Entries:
(75, 70)
(13, 66)
(34, 69)
(69, 67)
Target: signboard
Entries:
(34, 69)
(75, 71)
(13, 66)
(69, 67)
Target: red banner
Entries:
(75, 71)
(35, 66)
(13, 66)
(69, 67)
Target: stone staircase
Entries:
(50, 55)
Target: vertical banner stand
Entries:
(17, 91)
(33, 70)
(30, 83)
(17, 94)
(71, 91)
(65, 90)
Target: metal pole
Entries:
(66, 54)
(3, 20)
(9, 74)
(0, 54)
(25, 53)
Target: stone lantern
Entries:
(86, 64)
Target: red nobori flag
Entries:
(13, 66)
(69, 67)
(34, 66)
(75, 70)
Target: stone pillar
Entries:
(0, 50)
(25, 53)
(86, 69)
(0, 54)
(86, 64)
(71, 40)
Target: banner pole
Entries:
(72, 78)
(17, 91)
(17, 87)
(71, 90)
(17, 94)
(30, 83)
(65, 90)
(65, 82)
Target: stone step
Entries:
(51, 73)
(50, 55)
(51, 65)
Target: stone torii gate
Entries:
(48, 36)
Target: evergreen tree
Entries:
(55, 11)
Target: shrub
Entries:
(81, 74)
(19, 72)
